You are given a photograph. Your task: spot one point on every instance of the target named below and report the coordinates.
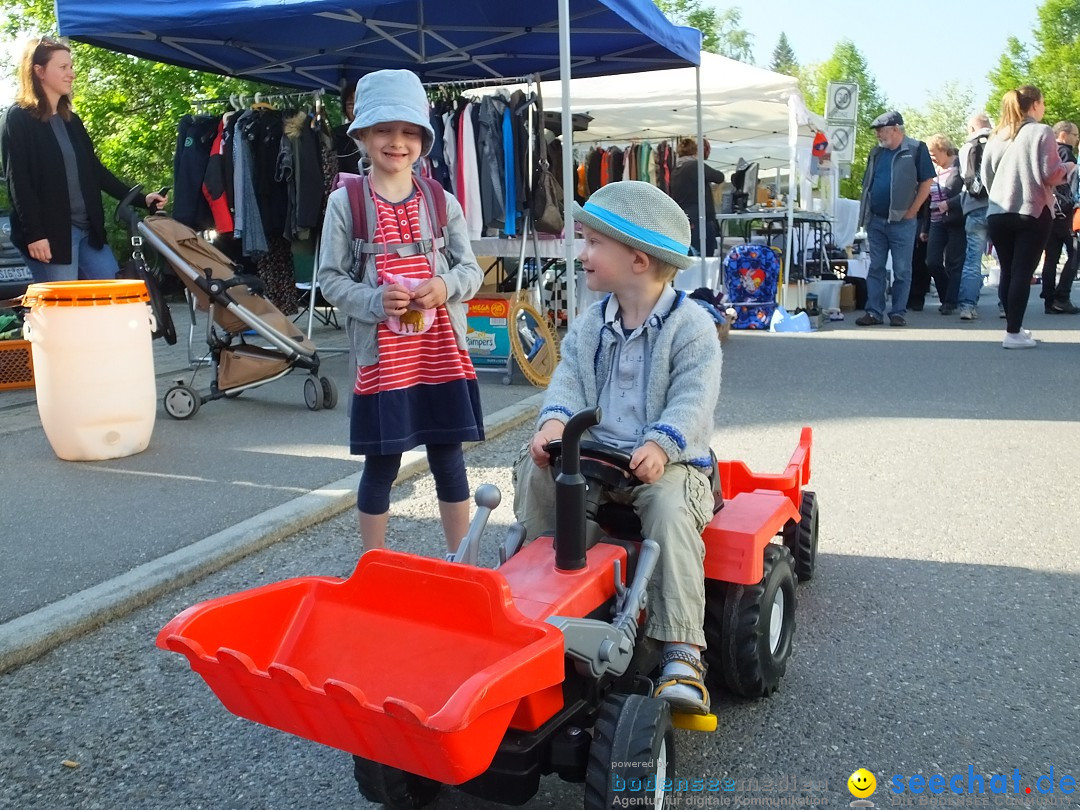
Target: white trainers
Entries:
(1021, 340)
(968, 314)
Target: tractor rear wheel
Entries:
(802, 538)
(749, 629)
(394, 788)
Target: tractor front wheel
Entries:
(632, 754)
(391, 787)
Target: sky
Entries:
(911, 48)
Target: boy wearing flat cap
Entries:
(650, 358)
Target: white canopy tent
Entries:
(744, 111)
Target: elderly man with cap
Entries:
(897, 181)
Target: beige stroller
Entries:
(234, 307)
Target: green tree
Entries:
(946, 112)
(783, 58)
(721, 31)
(847, 64)
(1051, 63)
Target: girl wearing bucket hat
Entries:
(649, 357)
(402, 288)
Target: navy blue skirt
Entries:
(396, 421)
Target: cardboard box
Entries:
(847, 298)
(488, 332)
(489, 264)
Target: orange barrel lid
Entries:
(85, 293)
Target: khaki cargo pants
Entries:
(673, 512)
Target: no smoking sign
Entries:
(841, 143)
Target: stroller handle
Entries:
(125, 214)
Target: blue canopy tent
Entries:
(321, 43)
(314, 44)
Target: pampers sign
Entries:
(973, 783)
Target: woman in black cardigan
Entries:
(54, 176)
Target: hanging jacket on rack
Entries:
(509, 174)
(616, 164)
(468, 178)
(248, 221)
(306, 180)
(440, 171)
(490, 166)
(194, 138)
(217, 181)
(521, 107)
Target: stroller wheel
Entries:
(182, 402)
(329, 388)
(314, 397)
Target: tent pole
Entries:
(703, 231)
(567, 160)
(793, 139)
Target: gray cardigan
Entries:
(362, 303)
(683, 387)
(1021, 172)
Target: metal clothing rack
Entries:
(465, 84)
(240, 101)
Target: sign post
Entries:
(842, 115)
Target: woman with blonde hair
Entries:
(54, 177)
(947, 243)
(1021, 166)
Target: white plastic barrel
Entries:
(93, 366)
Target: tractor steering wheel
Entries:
(600, 462)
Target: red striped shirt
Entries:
(407, 360)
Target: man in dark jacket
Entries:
(895, 186)
(1056, 297)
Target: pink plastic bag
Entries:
(415, 321)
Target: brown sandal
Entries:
(680, 704)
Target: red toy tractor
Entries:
(537, 667)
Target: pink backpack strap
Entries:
(437, 195)
(356, 186)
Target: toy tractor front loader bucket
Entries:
(415, 663)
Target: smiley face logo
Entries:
(862, 784)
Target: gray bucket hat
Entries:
(392, 95)
(640, 215)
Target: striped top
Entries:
(938, 191)
(429, 358)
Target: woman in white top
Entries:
(1021, 166)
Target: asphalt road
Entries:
(939, 634)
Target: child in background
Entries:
(650, 358)
(405, 317)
